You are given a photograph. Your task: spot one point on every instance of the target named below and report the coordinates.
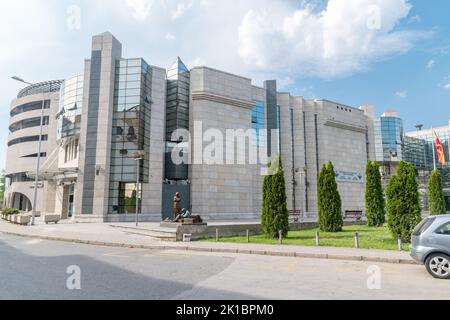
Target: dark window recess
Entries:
(27, 139)
(34, 155)
(123, 152)
(28, 123)
(37, 105)
(19, 177)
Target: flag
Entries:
(439, 149)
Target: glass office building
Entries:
(389, 139)
(393, 145)
(420, 150)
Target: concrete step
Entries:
(154, 232)
(153, 237)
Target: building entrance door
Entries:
(70, 200)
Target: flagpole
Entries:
(449, 143)
(434, 145)
(448, 149)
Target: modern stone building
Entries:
(99, 121)
(24, 129)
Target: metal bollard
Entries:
(217, 235)
(248, 236)
(318, 239)
(356, 240)
(400, 244)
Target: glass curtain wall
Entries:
(70, 107)
(258, 123)
(130, 133)
(177, 117)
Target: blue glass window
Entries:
(258, 122)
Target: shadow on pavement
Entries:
(25, 276)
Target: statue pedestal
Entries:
(191, 226)
(192, 220)
(176, 225)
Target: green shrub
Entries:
(10, 211)
(375, 203)
(403, 202)
(436, 199)
(329, 201)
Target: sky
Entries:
(393, 54)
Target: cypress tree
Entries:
(281, 215)
(403, 202)
(375, 206)
(329, 201)
(436, 199)
(275, 216)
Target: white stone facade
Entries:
(312, 132)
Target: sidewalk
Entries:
(103, 234)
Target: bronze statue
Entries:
(176, 206)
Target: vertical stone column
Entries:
(299, 154)
(286, 147)
(152, 202)
(92, 190)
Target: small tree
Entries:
(375, 205)
(403, 202)
(329, 201)
(275, 216)
(436, 199)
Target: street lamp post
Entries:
(138, 156)
(38, 162)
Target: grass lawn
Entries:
(369, 238)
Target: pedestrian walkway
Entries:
(104, 234)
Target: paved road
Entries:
(36, 269)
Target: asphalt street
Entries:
(37, 269)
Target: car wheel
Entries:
(438, 265)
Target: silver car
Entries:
(431, 245)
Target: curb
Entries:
(218, 250)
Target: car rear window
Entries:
(423, 226)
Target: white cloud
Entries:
(141, 8)
(197, 62)
(343, 38)
(447, 86)
(180, 9)
(169, 36)
(402, 94)
(430, 64)
(415, 19)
